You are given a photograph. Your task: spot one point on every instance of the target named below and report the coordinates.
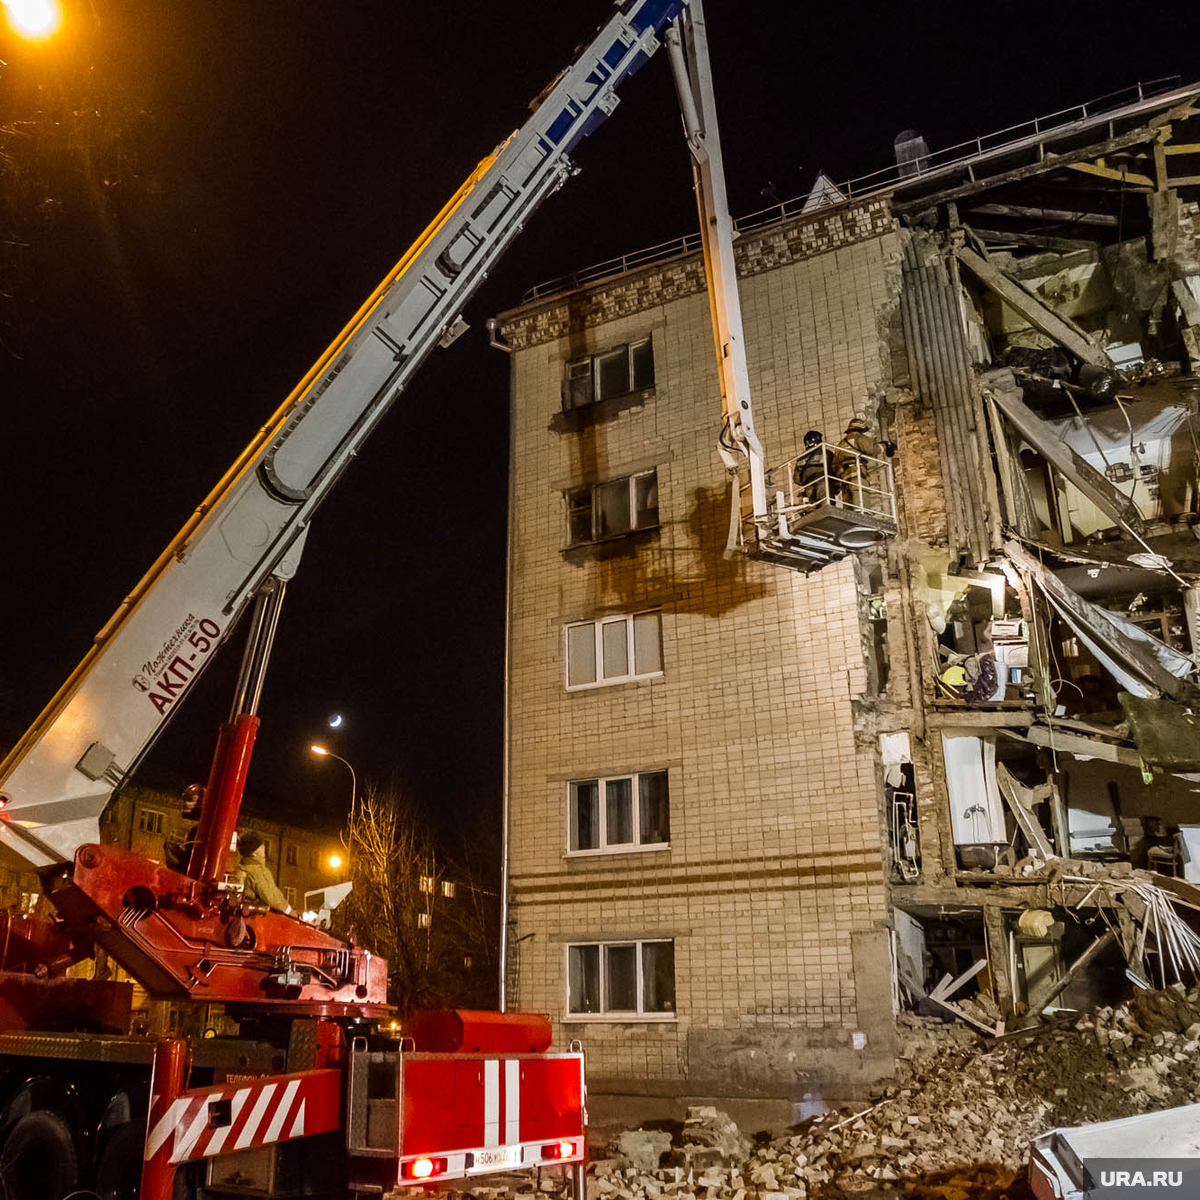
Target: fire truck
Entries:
(314, 1097)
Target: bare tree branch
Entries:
(440, 941)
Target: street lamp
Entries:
(323, 752)
(34, 20)
(335, 862)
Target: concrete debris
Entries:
(956, 1124)
(643, 1149)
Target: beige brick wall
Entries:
(775, 855)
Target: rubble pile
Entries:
(955, 1125)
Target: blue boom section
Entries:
(614, 66)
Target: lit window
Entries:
(150, 820)
(621, 813)
(424, 920)
(426, 883)
(613, 508)
(448, 888)
(613, 650)
(291, 856)
(621, 979)
(616, 372)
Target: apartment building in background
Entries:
(909, 739)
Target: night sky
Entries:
(285, 156)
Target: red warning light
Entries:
(422, 1168)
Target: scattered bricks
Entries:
(956, 1125)
(643, 1148)
(1142, 1079)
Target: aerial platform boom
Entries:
(60, 775)
(425, 1109)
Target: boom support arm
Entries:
(687, 46)
(60, 775)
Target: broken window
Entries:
(614, 650)
(625, 812)
(615, 372)
(613, 508)
(621, 979)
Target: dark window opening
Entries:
(615, 372)
(612, 509)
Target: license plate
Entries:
(503, 1156)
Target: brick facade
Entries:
(772, 888)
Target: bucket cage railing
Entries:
(821, 505)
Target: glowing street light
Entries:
(335, 862)
(35, 20)
(323, 752)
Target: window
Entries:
(621, 979)
(614, 650)
(616, 372)
(150, 820)
(622, 813)
(291, 856)
(425, 883)
(313, 859)
(612, 509)
(448, 888)
(289, 894)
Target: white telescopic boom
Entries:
(60, 775)
(687, 45)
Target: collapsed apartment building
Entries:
(924, 735)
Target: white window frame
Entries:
(156, 825)
(593, 362)
(598, 625)
(593, 490)
(605, 847)
(627, 1016)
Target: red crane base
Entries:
(181, 937)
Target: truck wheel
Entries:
(119, 1175)
(38, 1160)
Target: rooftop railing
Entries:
(864, 186)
